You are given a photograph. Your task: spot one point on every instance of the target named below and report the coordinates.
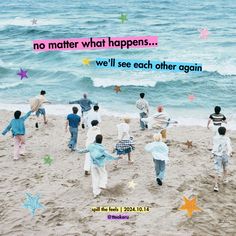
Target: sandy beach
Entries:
(66, 193)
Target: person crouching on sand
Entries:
(221, 151)
(99, 156)
(159, 152)
(17, 128)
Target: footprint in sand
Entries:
(135, 176)
(111, 200)
(85, 219)
(117, 190)
(153, 188)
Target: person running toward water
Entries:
(93, 115)
(17, 127)
(217, 119)
(93, 131)
(99, 157)
(221, 151)
(143, 107)
(159, 152)
(73, 121)
(37, 105)
(159, 122)
(125, 144)
(85, 105)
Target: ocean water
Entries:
(65, 78)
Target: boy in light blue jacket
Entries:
(159, 152)
(99, 156)
(17, 128)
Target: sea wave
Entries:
(4, 86)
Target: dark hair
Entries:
(222, 130)
(94, 122)
(217, 109)
(99, 138)
(75, 110)
(142, 95)
(96, 108)
(17, 114)
(42, 92)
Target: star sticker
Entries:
(123, 18)
(86, 61)
(22, 74)
(204, 33)
(191, 98)
(189, 144)
(131, 184)
(32, 203)
(48, 160)
(34, 22)
(117, 89)
(190, 206)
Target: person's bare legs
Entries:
(216, 187)
(45, 119)
(129, 158)
(224, 174)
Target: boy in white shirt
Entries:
(93, 115)
(221, 150)
(159, 151)
(93, 131)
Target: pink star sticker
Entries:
(204, 33)
(22, 74)
(191, 98)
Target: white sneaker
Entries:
(216, 188)
(225, 181)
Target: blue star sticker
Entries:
(32, 203)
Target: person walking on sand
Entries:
(161, 119)
(125, 143)
(217, 119)
(73, 121)
(99, 157)
(159, 152)
(221, 152)
(85, 105)
(93, 131)
(159, 122)
(93, 115)
(17, 128)
(143, 107)
(37, 106)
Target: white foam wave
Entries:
(18, 21)
(223, 69)
(136, 80)
(7, 85)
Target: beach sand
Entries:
(67, 194)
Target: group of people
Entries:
(96, 154)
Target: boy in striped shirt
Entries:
(217, 118)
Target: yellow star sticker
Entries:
(131, 184)
(86, 61)
(190, 206)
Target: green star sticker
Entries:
(48, 160)
(123, 18)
